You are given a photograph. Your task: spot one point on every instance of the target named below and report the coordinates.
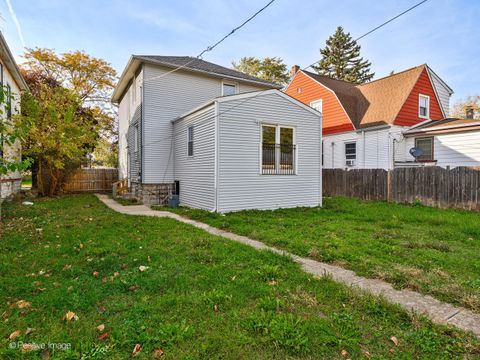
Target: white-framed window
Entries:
(424, 106)
(229, 88)
(426, 144)
(350, 153)
(317, 105)
(190, 141)
(278, 150)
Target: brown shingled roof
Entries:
(376, 102)
(445, 125)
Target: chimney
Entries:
(469, 112)
(294, 70)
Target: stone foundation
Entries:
(9, 187)
(152, 194)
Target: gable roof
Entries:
(186, 63)
(10, 63)
(246, 96)
(376, 102)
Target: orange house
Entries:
(363, 124)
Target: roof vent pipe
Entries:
(469, 112)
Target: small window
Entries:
(317, 105)
(426, 144)
(136, 138)
(350, 153)
(9, 101)
(278, 150)
(424, 106)
(229, 89)
(190, 141)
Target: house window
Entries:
(424, 106)
(317, 105)
(278, 150)
(229, 89)
(350, 153)
(190, 141)
(426, 144)
(136, 138)
(9, 101)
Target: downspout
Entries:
(142, 123)
(216, 139)
(320, 181)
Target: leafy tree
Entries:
(270, 68)
(341, 59)
(87, 83)
(61, 132)
(460, 107)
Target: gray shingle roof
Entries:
(200, 65)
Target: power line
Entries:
(378, 27)
(211, 47)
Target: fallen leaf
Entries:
(80, 246)
(101, 327)
(21, 304)
(28, 331)
(394, 340)
(272, 283)
(134, 288)
(95, 273)
(103, 336)
(136, 350)
(158, 353)
(233, 277)
(14, 335)
(115, 274)
(29, 347)
(367, 354)
(215, 307)
(142, 268)
(66, 267)
(101, 309)
(69, 316)
(344, 353)
(392, 350)
(45, 354)
(104, 280)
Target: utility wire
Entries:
(378, 27)
(211, 47)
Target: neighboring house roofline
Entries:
(309, 74)
(11, 64)
(135, 60)
(431, 127)
(246, 96)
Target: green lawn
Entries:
(429, 250)
(200, 297)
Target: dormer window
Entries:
(229, 89)
(424, 106)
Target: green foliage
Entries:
(341, 59)
(270, 68)
(41, 261)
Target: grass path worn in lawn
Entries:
(200, 296)
(433, 251)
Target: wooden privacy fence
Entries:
(91, 180)
(431, 185)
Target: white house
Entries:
(12, 81)
(227, 140)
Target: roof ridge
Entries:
(392, 75)
(330, 78)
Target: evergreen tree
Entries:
(341, 59)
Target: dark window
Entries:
(278, 150)
(1, 74)
(9, 101)
(351, 151)
(426, 144)
(190, 141)
(423, 106)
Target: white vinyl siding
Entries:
(317, 105)
(457, 149)
(196, 173)
(166, 97)
(240, 183)
(443, 93)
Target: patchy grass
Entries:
(125, 202)
(433, 251)
(199, 296)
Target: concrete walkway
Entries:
(439, 312)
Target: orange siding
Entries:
(408, 114)
(335, 119)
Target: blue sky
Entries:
(442, 33)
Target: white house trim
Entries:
(420, 96)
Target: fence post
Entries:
(388, 185)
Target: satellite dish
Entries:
(416, 152)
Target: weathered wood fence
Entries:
(91, 180)
(432, 186)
